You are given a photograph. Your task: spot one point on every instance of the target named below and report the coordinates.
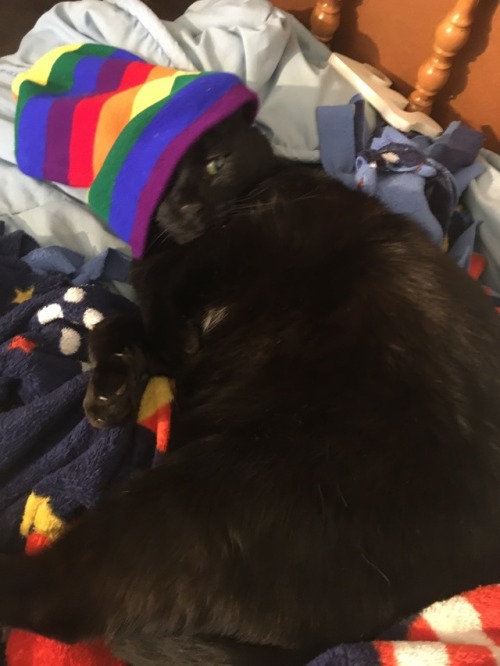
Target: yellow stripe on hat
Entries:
(40, 71)
(155, 90)
(119, 109)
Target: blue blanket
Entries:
(47, 446)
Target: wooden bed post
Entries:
(325, 19)
(451, 35)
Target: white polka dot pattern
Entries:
(74, 295)
(92, 317)
(70, 341)
(50, 313)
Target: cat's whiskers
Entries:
(376, 568)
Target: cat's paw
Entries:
(113, 392)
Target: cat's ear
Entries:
(245, 113)
(162, 214)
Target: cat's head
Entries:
(224, 164)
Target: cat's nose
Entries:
(191, 209)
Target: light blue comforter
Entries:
(273, 53)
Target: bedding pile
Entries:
(49, 449)
(54, 464)
(411, 174)
(62, 276)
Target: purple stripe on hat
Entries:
(178, 112)
(150, 196)
(59, 124)
(111, 75)
(60, 120)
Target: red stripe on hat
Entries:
(486, 601)
(81, 150)
(85, 120)
(138, 73)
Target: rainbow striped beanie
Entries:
(99, 117)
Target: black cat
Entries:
(334, 462)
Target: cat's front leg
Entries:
(168, 291)
(123, 351)
(116, 351)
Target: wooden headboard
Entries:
(445, 54)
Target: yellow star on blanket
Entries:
(23, 295)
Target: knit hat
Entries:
(99, 117)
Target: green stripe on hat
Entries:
(100, 196)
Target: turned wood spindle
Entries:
(451, 35)
(325, 19)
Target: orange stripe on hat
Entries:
(116, 112)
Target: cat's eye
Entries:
(214, 166)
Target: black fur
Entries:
(334, 461)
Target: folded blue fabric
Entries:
(106, 266)
(412, 174)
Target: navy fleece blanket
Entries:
(47, 447)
